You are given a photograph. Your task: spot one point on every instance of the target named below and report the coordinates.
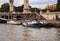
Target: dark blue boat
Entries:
(35, 25)
(32, 24)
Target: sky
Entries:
(34, 3)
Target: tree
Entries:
(18, 9)
(35, 9)
(58, 5)
(0, 9)
(5, 7)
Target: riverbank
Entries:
(39, 24)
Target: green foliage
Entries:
(44, 10)
(35, 9)
(0, 9)
(58, 5)
(18, 9)
(5, 7)
(58, 1)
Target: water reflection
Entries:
(43, 34)
(20, 33)
(26, 34)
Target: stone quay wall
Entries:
(50, 16)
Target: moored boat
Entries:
(37, 24)
(46, 24)
(32, 24)
(14, 22)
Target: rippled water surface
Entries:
(20, 33)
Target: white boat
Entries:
(37, 24)
(31, 24)
(14, 22)
(28, 22)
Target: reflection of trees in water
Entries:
(26, 34)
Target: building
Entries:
(53, 6)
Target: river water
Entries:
(20, 33)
